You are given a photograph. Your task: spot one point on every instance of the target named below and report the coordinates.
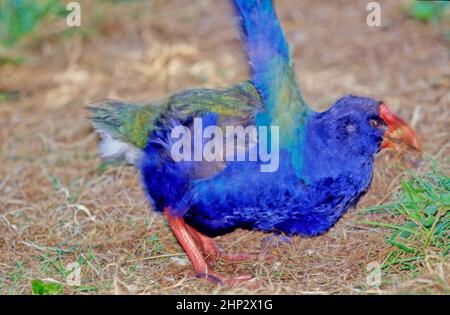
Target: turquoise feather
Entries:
(273, 75)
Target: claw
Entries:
(246, 257)
(221, 280)
(213, 252)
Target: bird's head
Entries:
(364, 126)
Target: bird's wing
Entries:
(236, 105)
(272, 68)
(126, 127)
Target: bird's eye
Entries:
(350, 128)
(374, 122)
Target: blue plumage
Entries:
(325, 159)
(337, 170)
(273, 75)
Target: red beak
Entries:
(398, 133)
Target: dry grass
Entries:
(60, 204)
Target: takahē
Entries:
(324, 161)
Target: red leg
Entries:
(201, 268)
(213, 252)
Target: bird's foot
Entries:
(238, 257)
(222, 280)
(245, 257)
(213, 252)
(190, 242)
(235, 258)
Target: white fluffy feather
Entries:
(111, 148)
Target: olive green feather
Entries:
(133, 123)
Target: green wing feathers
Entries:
(127, 122)
(235, 105)
(132, 124)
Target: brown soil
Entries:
(58, 202)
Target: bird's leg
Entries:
(213, 252)
(201, 268)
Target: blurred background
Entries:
(59, 204)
